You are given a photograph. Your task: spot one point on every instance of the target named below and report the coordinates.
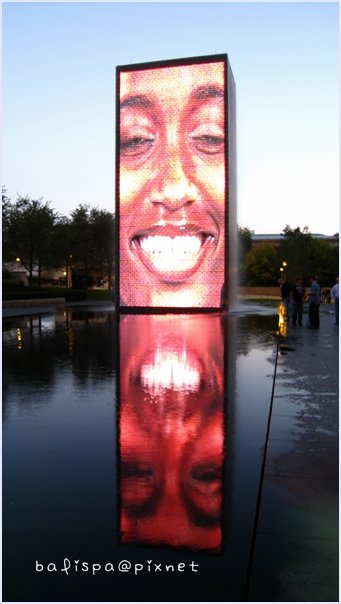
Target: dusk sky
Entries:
(58, 116)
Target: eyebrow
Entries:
(208, 91)
(142, 101)
(137, 100)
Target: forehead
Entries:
(172, 81)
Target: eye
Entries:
(207, 475)
(207, 128)
(208, 143)
(138, 487)
(135, 145)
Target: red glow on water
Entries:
(171, 431)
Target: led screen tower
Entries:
(175, 156)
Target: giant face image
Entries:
(172, 185)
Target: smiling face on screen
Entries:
(172, 186)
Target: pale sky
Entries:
(58, 113)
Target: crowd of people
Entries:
(294, 296)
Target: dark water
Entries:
(138, 441)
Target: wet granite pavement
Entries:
(296, 546)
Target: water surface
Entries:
(141, 441)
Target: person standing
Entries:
(335, 298)
(314, 303)
(297, 297)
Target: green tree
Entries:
(325, 260)
(29, 227)
(103, 227)
(261, 266)
(82, 241)
(307, 256)
(62, 244)
(296, 249)
(93, 240)
(7, 254)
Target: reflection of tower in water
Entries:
(171, 431)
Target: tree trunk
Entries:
(39, 274)
(30, 274)
(86, 275)
(109, 276)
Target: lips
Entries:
(173, 253)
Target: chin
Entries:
(142, 289)
(174, 297)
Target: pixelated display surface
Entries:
(171, 431)
(172, 185)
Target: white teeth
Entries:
(170, 370)
(178, 246)
(171, 253)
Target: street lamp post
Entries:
(68, 273)
(282, 270)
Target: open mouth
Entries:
(171, 369)
(174, 255)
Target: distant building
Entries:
(275, 239)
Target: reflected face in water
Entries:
(172, 185)
(171, 435)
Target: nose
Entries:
(173, 189)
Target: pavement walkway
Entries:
(296, 546)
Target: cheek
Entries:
(131, 184)
(211, 180)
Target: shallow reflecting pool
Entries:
(131, 453)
